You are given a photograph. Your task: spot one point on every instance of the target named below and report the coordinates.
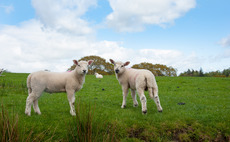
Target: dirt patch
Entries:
(183, 133)
(135, 132)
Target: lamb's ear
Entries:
(126, 63)
(90, 62)
(112, 61)
(75, 62)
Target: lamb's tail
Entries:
(29, 83)
(151, 86)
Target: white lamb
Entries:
(53, 82)
(137, 80)
(98, 75)
(1, 72)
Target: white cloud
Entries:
(225, 41)
(7, 9)
(133, 15)
(64, 15)
(28, 48)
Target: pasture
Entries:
(194, 109)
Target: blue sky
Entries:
(40, 34)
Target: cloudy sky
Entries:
(49, 34)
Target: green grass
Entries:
(204, 117)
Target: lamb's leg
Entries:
(156, 99)
(71, 98)
(141, 94)
(133, 94)
(29, 102)
(125, 93)
(32, 98)
(36, 108)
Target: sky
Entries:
(49, 34)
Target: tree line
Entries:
(200, 73)
(106, 68)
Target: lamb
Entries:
(98, 75)
(1, 72)
(137, 80)
(53, 82)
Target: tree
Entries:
(201, 73)
(189, 72)
(99, 65)
(226, 72)
(157, 69)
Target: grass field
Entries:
(205, 116)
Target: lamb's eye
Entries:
(78, 65)
(122, 66)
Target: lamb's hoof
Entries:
(144, 112)
(123, 106)
(160, 110)
(72, 113)
(27, 113)
(39, 113)
(135, 105)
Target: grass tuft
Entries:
(85, 127)
(8, 127)
(9, 130)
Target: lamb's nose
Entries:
(84, 71)
(116, 70)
